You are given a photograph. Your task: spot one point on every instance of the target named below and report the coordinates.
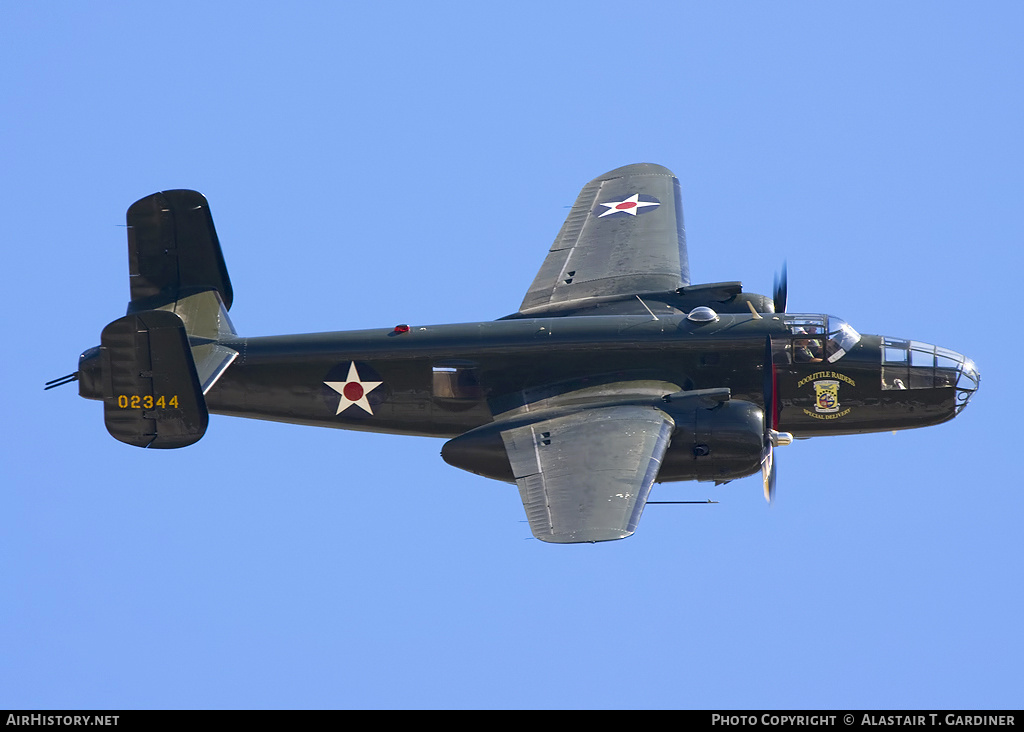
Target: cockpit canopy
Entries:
(820, 337)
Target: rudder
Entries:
(173, 250)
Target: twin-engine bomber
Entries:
(614, 373)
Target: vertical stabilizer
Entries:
(151, 391)
(155, 365)
(176, 265)
(173, 250)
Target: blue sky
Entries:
(412, 163)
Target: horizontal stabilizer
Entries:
(152, 396)
(206, 322)
(212, 360)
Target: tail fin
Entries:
(152, 396)
(173, 250)
(160, 359)
(176, 264)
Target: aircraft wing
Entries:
(585, 476)
(623, 236)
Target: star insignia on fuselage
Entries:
(353, 390)
(632, 206)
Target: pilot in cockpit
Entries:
(805, 349)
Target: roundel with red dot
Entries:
(635, 205)
(353, 389)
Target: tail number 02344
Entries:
(147, 402)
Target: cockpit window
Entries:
(820, 338)
(841, 338)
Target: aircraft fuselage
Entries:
(442, 381)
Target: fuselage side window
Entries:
(456, 380)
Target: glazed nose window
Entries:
(916, 365)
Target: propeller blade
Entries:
(772, 437)
(768, 392)
(768, 388)
(768, 472)
(781, 290)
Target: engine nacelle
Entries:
(480, 451)
(720, 443)
(716, 439)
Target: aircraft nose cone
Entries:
(967, 382)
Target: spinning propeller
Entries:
(772, 437)
(780, 291)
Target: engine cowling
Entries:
(720, 443)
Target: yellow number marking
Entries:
(146, 402)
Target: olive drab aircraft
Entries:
(615, 373)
